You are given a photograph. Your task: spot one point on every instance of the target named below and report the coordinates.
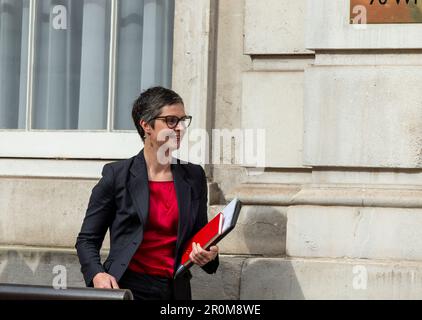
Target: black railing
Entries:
(26, 292)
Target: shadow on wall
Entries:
(37, 267)
(263, 230)
(243, 278)
(260, 231)
(252, 261)
(223, 285)
(271, 276)
(269, 279)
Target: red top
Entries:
(156, 254)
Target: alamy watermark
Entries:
(243, 147)
(360, 278)
(59, 17)
(60, 278)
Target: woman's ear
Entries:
(146, 126)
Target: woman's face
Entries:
(161, 134)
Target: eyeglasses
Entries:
(173, 121)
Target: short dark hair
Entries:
(149, 104)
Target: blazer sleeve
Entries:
(98, 218)
(202, 220)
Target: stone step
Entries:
(297, 279)
(39, 266)
(353, 232)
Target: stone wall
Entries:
(336, 212)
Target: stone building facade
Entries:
(334, 213)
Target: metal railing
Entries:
(27, 292)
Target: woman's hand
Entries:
(200, 256)
(105, 281)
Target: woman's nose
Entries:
(180, 126)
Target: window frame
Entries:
(42, 153)
(48, 144)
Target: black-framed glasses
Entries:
(173, 121)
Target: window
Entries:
(77, 65)
(14, 17)
(145, 29)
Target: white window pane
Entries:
(14, 20)
(144, 52)
(71, 64)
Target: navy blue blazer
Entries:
(120, 202)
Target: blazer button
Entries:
(123, 264)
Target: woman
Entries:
(152, 206)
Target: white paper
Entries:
(228, 213)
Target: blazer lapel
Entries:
(139, 188)
(183, 193)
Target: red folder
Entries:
(205, 237)
(220, 226)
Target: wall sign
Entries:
(385, 11)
